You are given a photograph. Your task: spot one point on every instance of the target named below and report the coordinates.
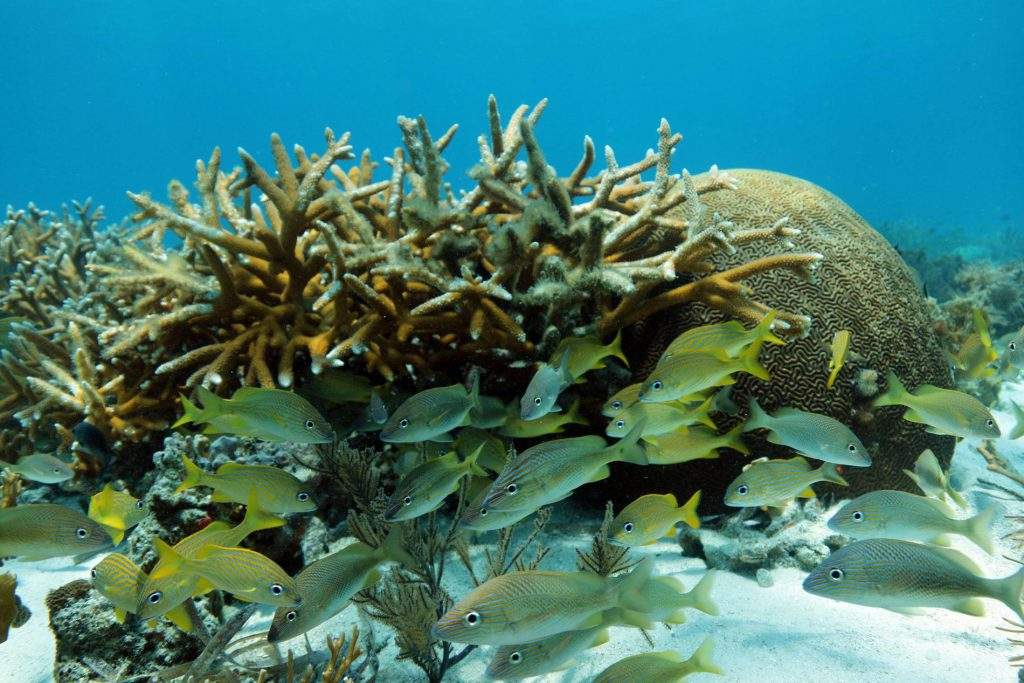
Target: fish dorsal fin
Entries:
(245, 392)
(670, 499)
(228, 466)
(669, 656)
(800, 460)
(755, 462)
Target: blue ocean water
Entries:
(908, 111)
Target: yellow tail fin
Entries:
(750, 362)
(688, 513)
(256, 518)
(193, 475)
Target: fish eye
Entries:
(990, 423)
(620, 423)
(155, 597)
(303, 497)
(836, 574)
(276, 589)
(407, 500)
(81, 532)
(471, 618)
(1012, 346)
(515, 657)
(742, 490)
(403, 423)
(852, 448)
(310, 424)
(858, 516)
(138, 505)
(656, 384)
(512, 489)
(56, 470)
(615, 406)
(483, 512)
(628, 527)
(93, 573)
(537, 401)
(291, 616)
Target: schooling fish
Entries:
(269, 414)
(652, 517)
(39, 531)
(586, 353)
(554, 653)
(693, 443)
(659, 418)
(815, 435)
(493, 451)
(523, 606)
(1013, 355)
(896, 514)
(932, 481)
(41, 467)
(120, 581)
(491, 413)
(431, 414)
(668, 598)
(728, 339)
(622, 399)
(552, 423)
(666, 666)
(478, 517)
(340, 386)
(246, 574)
(13, 614)
(427, 485)
(905, 577)
(944, 411)
(840, 345)
(327, 585)
(976, 353)
(276, 490)
(774, 483)
(544, 388)
(116, 511)
(551, 471)
(689, 373)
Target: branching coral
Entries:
(313, 264)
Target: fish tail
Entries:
(701, 659)
(193, 475)
(701, 594)
(256, 518)
(758, 418)
(701, 412)
(192, 413)
(732, 439)
(573, 416)
(470, 463)
(979, 529)
(180, 618)
(1009, 590)
(764, 329)
(750, 362)
(631, 588)
(170, 561)
(829, 472)
(895, 393)
(629, 449)
(615, 349)
(688, 513)
(393, 549)
(981, 327)
(955, 495)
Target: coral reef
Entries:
(862, 286)
(283, 273)
(746, 545)
(992, 287)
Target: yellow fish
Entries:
(659, 418)
(666, 666)
(652, 517)
(550, 423)
(120, 581)
(276, 490)
(39, 531)
(694, 443)
(432, 413)
(424, 488)
(932, 481)
(586, 353)
(493, 451)
(773, 483)
(944, 411)
(622, 399)
(727, 339)
(116, 511)
(246, 574)
(269, 414)
(689, 373)
(976, 354)
(40, 467)
(840, 345)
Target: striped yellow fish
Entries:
(976, 354)
(116, 511)
(554, 653)
(622, 399)
(431, 414)
(120, 581)
(689, 373)
(815, 435)
(774, 483)
(424, 488)
(269, 414)
(693, 443)
(727, 339)
(659, 418)
(275, 490)
(652, 517)
(944, 411)
(39, 531)
(40, 467)
(551, 423)
(840, 345)
(586, 353)
(547, 383)
(666, 666)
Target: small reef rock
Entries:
(744, 544)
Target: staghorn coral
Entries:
(312, 265)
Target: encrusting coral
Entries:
(313, 265)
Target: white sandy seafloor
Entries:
(778, 633)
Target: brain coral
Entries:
(862, 285)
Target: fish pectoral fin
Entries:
(937, 431)
(443, 438)
(120, 615)
(972, 606)
(593, 621)
(677, 617)
(911, 415)
(807, 493)
(601, 473)
(179, 617)
(372, 577)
